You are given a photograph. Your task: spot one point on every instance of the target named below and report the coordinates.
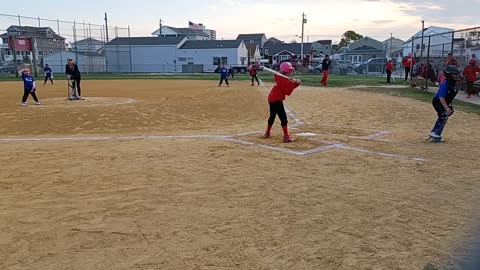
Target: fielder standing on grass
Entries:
(28, 87)
(48, 74)
(325, 67)
(223, 76)
(283, 87)
(389, 69)
(408, 62)
(73, 74)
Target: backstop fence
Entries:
(33, 42)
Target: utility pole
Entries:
(421, 45)
(304, 21)
(160, 29)
(106, 27)
(391, 45)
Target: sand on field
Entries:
(206, 203)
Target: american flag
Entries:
(193, 26)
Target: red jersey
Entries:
(452, 61)
(253, 72)
(407, 61)
(283, 87)
(470, 72)
(390, 66)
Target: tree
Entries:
(348, 37)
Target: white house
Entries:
(143, 54)
(88, 45)
(253, 53)
(190, 34)
(86, 62)
(440, 44)
(212, 53)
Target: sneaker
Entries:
(434, 135)
(38, 103)
(287, 139)
(267, 135)
(24, 103)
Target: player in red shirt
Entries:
(408, 62)
(389, 69)
(470, 73)
(283, 87)
(253, 74)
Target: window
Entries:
(282, 58)
(19, 53)
(252, 41)
(40, 53)
(182, 59)
(58, 43)
(50, 41)
(220, 61)
(326, 47)
(21, 42)
(355, 58)
(51, 52)
(189, 60)
(9, 52)
(266, 51)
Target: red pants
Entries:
(325, 77)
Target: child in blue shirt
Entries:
(443, 101)
(223, 75)
(28, 87)
(48, 74)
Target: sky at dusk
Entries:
(276, 18)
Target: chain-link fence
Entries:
(35, 42)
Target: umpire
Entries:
(72, 72)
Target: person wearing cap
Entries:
(72, 72)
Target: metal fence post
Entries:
(130, 49)
(428, 64)
(61, 55)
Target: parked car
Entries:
(7, 68)
(344, 64)
(373, 65)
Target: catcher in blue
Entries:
(443, 101)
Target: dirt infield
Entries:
(176, 175)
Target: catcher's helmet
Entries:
(451, 69)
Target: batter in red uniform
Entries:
(283, 87)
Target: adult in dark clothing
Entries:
(73, 74)
(325, 67)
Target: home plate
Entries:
(307, 134)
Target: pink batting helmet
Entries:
(286, 67)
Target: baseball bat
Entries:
(275, 72)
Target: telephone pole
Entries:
(421, 45)
(160, 29)
(304, 21)
(106, 27)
